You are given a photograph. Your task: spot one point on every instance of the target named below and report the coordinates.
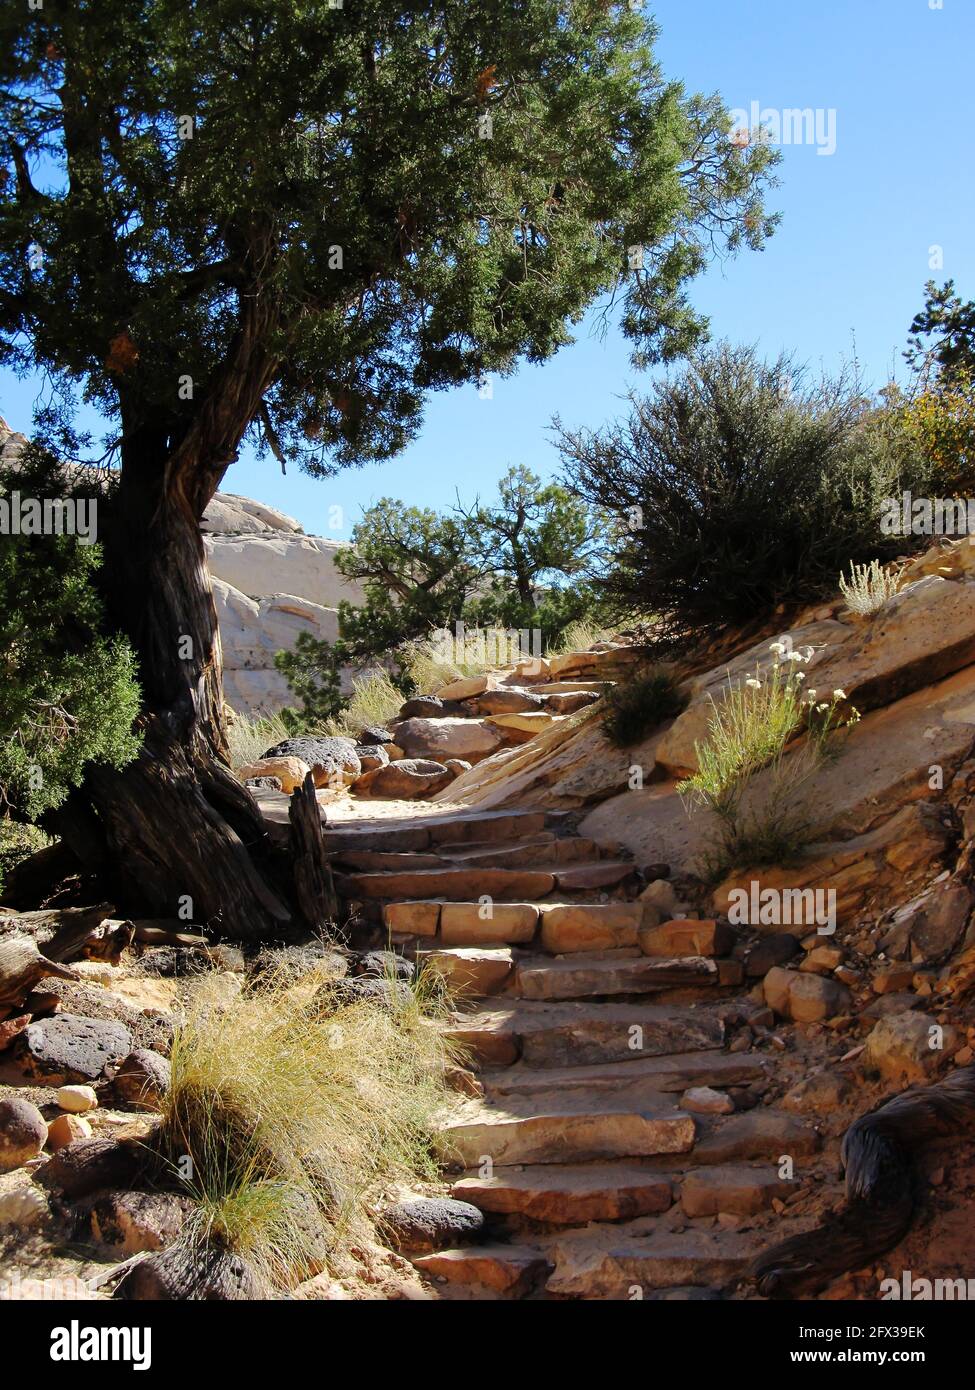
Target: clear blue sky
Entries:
(848, 262)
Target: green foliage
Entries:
(17, 843)
(943, 333)
(69, 695)
(635, 707)
(736, 487)
(312, 669)
(296, 206)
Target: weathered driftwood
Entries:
(165, 931)
(56, 929)
(22, 967)
(878, 1154)
(314, 888)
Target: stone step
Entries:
(560, 1035)
(568, 927)
(756, 1134)
(509, 1271)
(570, 979)
(606, 873)
(569, 1195)
(662, 1074)
(534, 852)
(608, 1263)
(737, 1188)
(570, 687)
(384, 861)
(472, 972)
(471, 924)
(421, 832)
(558, 1129)
(456, 885)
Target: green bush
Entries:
(635, 707)
(68, 694)
(737, 487)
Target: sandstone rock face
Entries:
(469, 739)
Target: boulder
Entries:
(940, 924)
(192, 1272)
(407, 780)
(422, 707)
(331, 758)
(464, 688)
(771, 951)
(67, 1048)
(130, 1222)
(686, 936)
(372, 734)
(143, 1078)
(472, 970)
(425, 1224)
(909, 1047)
(91, 1164)
(571, 701)
(508, 701)
(290, 772)
(23, 1133)
(805, 998)
(589, 926)
(470, 739)
(371, 756)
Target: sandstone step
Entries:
(456, 885)
(662, 1074)
(569, 1195)
(569, 979)
(735, 1188)
(568, 927)
(381, 861)
(531, 852)
(470, 971)
(559, 1035)
(756, 1134)
(466, 924)
(570, 687)
(560, 1129)
(606, 1263)
(492, 826)
(507, 1270)
(607, 873)
(420, 832)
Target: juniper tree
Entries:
(290, 222)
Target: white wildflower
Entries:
(839, 694)
(755, 685)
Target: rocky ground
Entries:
(652, 1095)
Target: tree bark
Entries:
(182, 837)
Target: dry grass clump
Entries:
(868, 588)
(749, 733)
(249, 738)
(427, 669)
(373, 701)
(288, 1109)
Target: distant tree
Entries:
(943, 333)
(293, 221)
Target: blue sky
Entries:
(847, 266)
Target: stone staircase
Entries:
(588, 1021)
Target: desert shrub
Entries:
(737, 486)
(868, 588)
(68, 693)
(294, 1107)
(17, 843)
(636, 706)
(940, 422)
(749, 732)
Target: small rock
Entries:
(457, 765)
(771, 951)
(704, 1100)
(22, 1206)
(372, 734)
(964, 1055)
(76, 1099)
(425, 1224)
(11, 1028)
(289, 772)
(891, 979)
(817, 1094)
(23, 1133)
(66, 1129)
(909, 1047)
(422, 707)
(822, 960)
(143, 1078)
(130, 1222)
(660, 894)
(372, 756)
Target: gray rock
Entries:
(67, 1047)
(422, 707)
(941, 922)
(88, 1165)
(129, 1222)
(426, 1224)
(143, 1079)
(200, 1272)
(374, 733)
(372, 755)
(328, 757)
(383, 965)
(271, 784)
(23, 1133)
(771, 951)
(388, 993)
